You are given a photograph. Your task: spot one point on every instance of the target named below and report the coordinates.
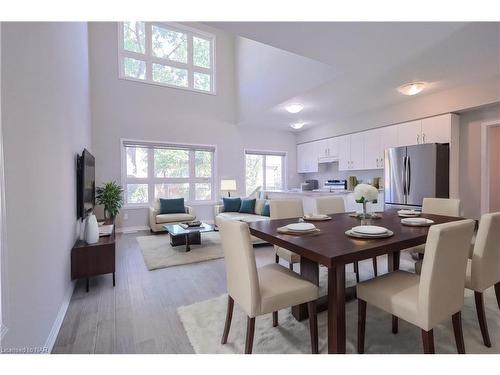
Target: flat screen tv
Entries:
(85, 184)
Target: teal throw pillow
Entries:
(172, 206)
(231, 204)
(248, 206)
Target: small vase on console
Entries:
(91, 229)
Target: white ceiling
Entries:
(338, 70)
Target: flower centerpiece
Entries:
(364, 193)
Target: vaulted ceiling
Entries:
(338, 70)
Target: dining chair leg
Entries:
(457, 330)
(361, 325)
(497, 292)
(313, 326)
(276, 258)
(375, 271)
(275, 318)
(394, 324)
(356, 270)
(428, 341)
(481, 316)
(250, 334)
(229, 317)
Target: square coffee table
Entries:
(187, 236)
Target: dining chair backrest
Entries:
(442, 280)
(330, 205)
(241, 270)
(441, 206)
(485, 267)
(286, 208)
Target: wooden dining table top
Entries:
(331, 246)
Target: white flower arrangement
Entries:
(365, 193)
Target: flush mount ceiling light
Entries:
(294, 108)
(411, 88)
(297, 125)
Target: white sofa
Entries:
(238, 216)
(157, 220)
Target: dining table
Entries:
(333, 248)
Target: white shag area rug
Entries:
(158, 253)
(204, 323)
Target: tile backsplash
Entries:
(330, 171)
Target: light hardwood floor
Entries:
(139, 315)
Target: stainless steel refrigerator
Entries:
(413, 173)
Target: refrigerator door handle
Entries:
(404, 175)
(409, 174)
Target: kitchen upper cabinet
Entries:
(410, 133)
(358, 150)
(351, 152)
(429, 130)
(307, 158)
(328, 150)
(344, 148)
(372, 147)
(436, 129)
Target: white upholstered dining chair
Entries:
(263, 290)
(286, 209)
(437, 206)
(428, 299)
(483, 267)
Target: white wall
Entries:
(470, 157)
(46, 122)
(126, 109)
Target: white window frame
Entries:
(150, 59)
(151, 180)
(284, 165)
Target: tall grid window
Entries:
(152, 171)
(265, 169)
(167, 54)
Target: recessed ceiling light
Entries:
(297, 125)
(411, 88)
(294, 108)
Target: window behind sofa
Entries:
(153, 170)
(265, 169)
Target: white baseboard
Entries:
(132, 229)
(51, 340)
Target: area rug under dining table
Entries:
(204, 323)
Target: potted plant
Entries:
(364, 193)
(110, 194)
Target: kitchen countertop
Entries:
(312, 192)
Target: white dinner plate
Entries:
(408, 213)
(351, 233)
(369, 230)
(316, 217)
(301, 227)
(417, 221)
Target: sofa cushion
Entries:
(173, 218)
(247, 206)
(231, 204)
(172, 206)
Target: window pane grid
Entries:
(167, 55)
(265, 170)
(150, 173)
